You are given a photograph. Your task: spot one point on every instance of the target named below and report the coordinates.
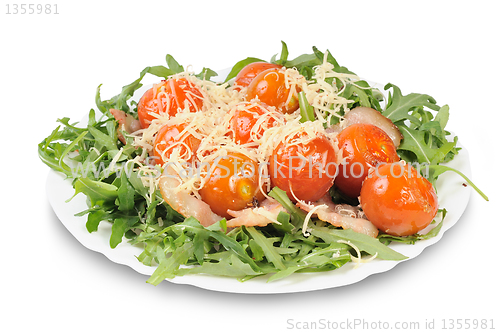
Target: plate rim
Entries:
(295, 283)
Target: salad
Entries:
(286, 166)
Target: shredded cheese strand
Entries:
(358, 260)
(211, 125)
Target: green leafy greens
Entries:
(99, 166)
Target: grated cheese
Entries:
(211, 125)
(308, 217)
(358, 260)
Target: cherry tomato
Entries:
(246, 116)
(167, 140)
(248, 73)
(233, 184)
(364, 146)
(167, 97)
(398, 200)
(308, 178)
(269, 87)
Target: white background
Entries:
(51, 65)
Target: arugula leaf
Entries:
(297, 215)
(285, 273)
(304, 61)
(399, 106)
(284, 54)
(199, 246)
(436, 170)
(49, 153)
(362, 241)
(168, 266)
(306, 110)
(97, 191)
(103, 139)
(415, 141)
(160, 71)
(329, 57)
(442, 116)
(95, 218)
(126, 194)
(229, 266)
(173, 64)
(320, 256)
(284, 220)
(120, 101)
(206, 74)
(240, 65)
(232, 245)
(424, 134)
(257, 251)
(363, 95)
(120, 226)
(268, 248)
(136, 183)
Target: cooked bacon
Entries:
(126, 123)
(340, 215)
(183, 202)
(266, 213)
(190, 206)
(370, 116)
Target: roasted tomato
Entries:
(167, 97)
(364, 146)
(248, 73)
(168, 140)
(246, 116)
(307, 169)
(270, 88)
(398, 200)
(233, 184)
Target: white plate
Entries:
(453, 196)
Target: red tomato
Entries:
(245, 118)
(167, 140)
(269, 87)
(248, 73)
(398, 200)
(364, 146)
(167, 97)
(309, 179)
(232, 185)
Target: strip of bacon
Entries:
(340, 215)
(126, 123)
(183, 202)
(266, 213)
